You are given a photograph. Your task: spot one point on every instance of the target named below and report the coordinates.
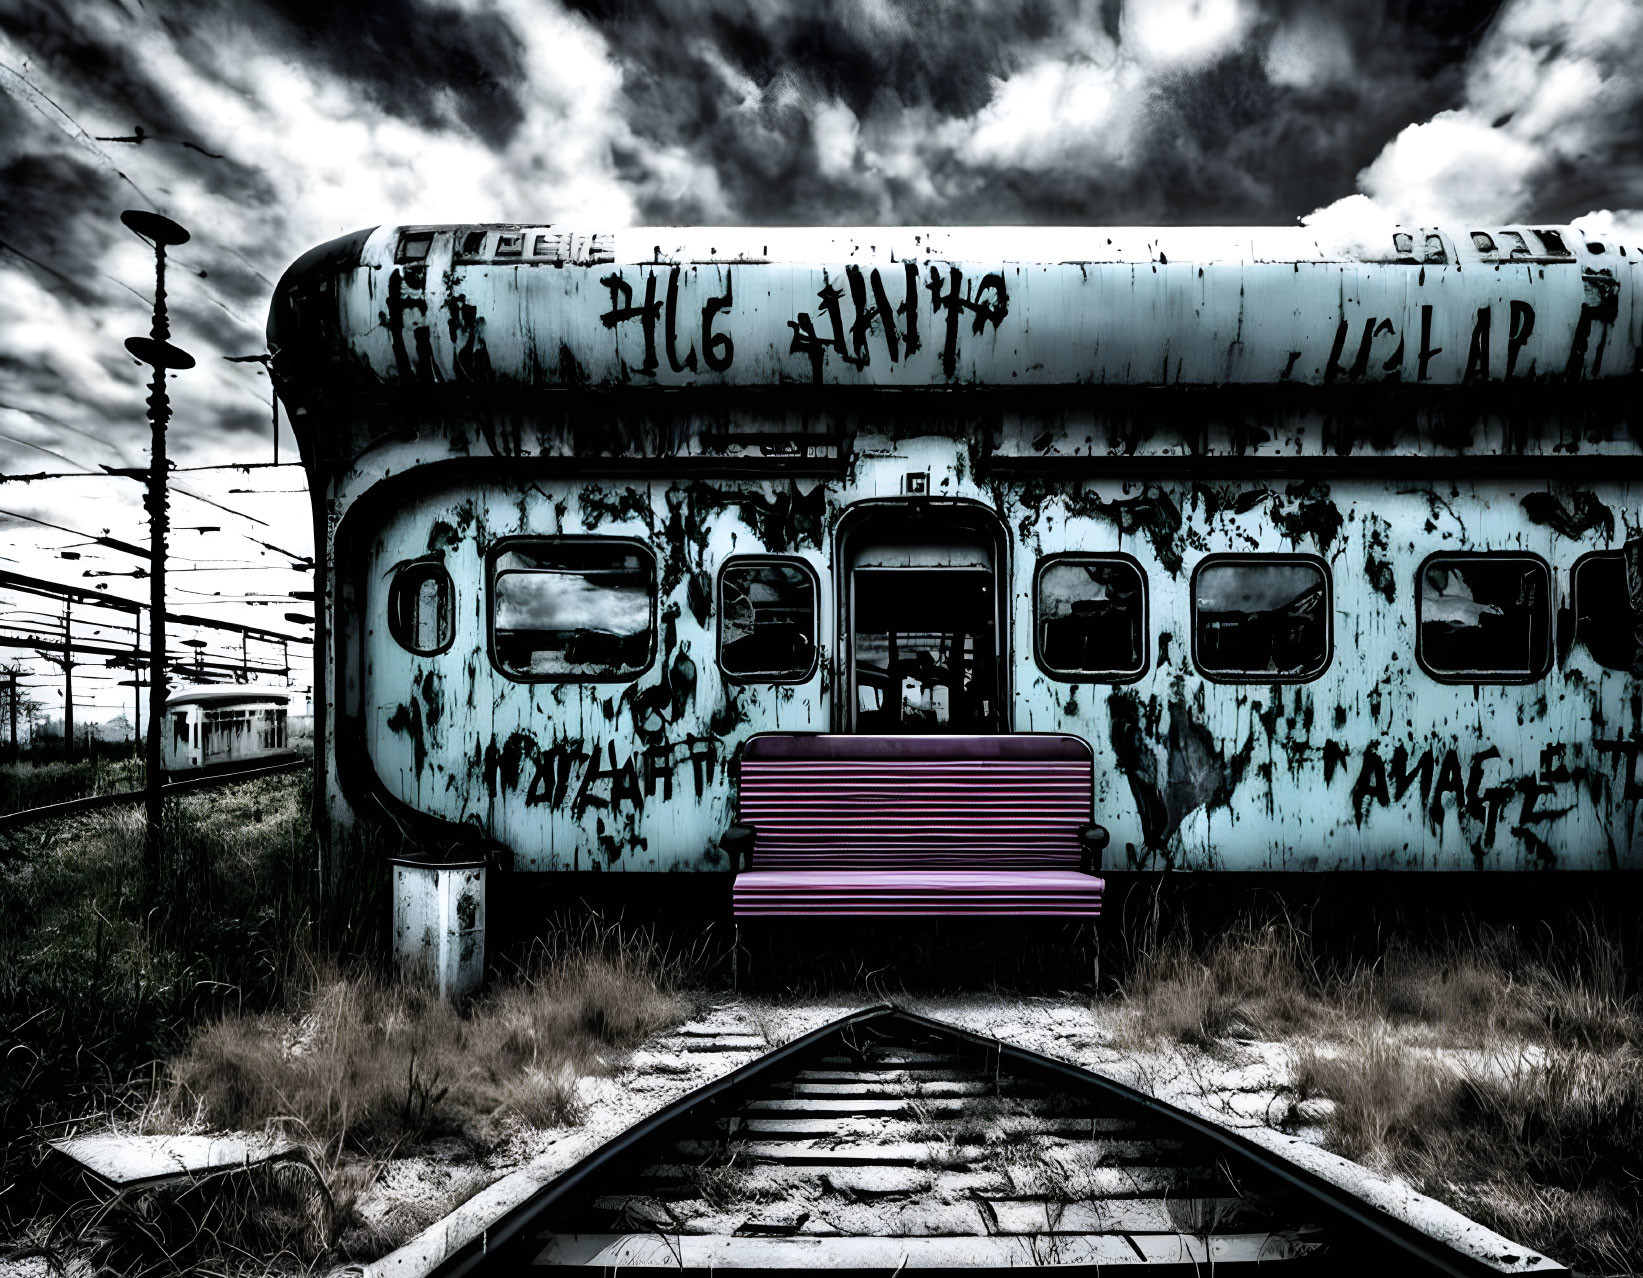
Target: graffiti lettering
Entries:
(805, 339)
(622, 310)
(1477, 355)
(1473, 799)
(1627, 750)
(1427, 350)
(717, 348)
(1517, 333)
(871, 303)
(671, 326)
(581, 779)
(1373, 327)
(956, 299)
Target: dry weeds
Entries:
(373, 1066)
(1503, 1078)
(1545, 1146)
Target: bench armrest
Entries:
(1092, 841)
(737, 842)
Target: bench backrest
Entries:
(823, 801)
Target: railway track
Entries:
(70, 807)
(886, 1142)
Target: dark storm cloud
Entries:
(435, 65)
(127, 96)
(1221, 142)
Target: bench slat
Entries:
(885, 826)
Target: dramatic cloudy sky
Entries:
(270, 125)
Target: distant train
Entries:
(1332, 554)
(222, 726)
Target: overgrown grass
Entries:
(1545, 1146)
(26, 784)
(1269, 977)
(1502, 1077)
(369, 1065)
(223, 1005)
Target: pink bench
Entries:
(904, 825)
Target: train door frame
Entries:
(975, 519)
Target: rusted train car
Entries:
(1328, 552)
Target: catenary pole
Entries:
(158, 353)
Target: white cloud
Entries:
(1453, 166)
(1055, 111)
(1179, 34)
(1553, 84)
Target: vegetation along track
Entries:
(887, 1142)
(70, 807)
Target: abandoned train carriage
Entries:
(1324, 551)
(220, 726)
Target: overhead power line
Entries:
(55, 590)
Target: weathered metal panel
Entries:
(1374, 764)
(945, 308)
(1384, 390)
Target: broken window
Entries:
(510, 244)
(1403, 244)
(767, 620)
(1606, 618)
(1090, 616)
(573, 608)
(1484, 617)
(1482, 242)
(925, 650)
(180, 729)
(1435, 253)
(1553, 243)
(419, 608)
(414, 246)
(1261, 617)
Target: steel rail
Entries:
(68, 807)
(1410, 1249)
(472, 1256)
(1419, 1247)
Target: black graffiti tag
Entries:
(584, 777)
(717, 349)
(871, 304)
(956, 299)
(1376, 785)
(987, 302)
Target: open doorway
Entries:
(923, 624)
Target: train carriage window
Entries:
(1090, 618)
(767, 620)
(573, 608)
(1261, 618)
(179, 729)
(1484, 618)
(419, 608)
(414, 246)
(1605, 611)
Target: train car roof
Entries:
(437, 310)
(227, 694)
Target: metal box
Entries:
(439, 924)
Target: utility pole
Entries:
(158, 353)
(68, 682)
(137, 681)
(14, 714)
